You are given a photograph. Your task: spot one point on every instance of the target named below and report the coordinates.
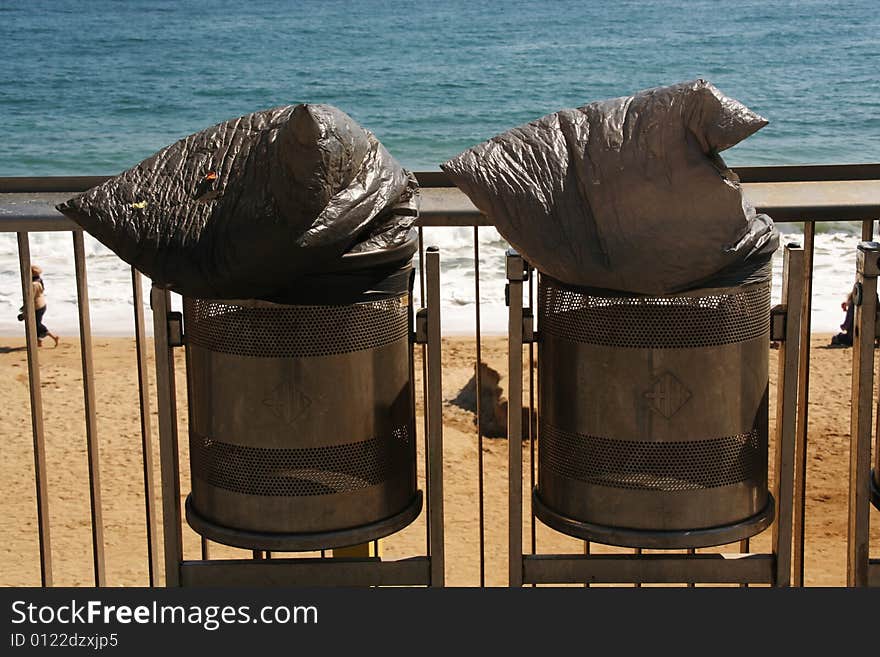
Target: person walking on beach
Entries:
(39, 306)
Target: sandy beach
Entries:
(122, 478)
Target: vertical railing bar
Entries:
(435, 419)
(478, 380)
(146, 434)
(692, 551)
(786, 413)
(868, 236)
(864, 331)
(744, 547)
(160, 301)
(531, 416)
(638, 552)
(204, 543)
(421, 267)
(424, 391)
(257, 555)
(514, 267)
(801, 437)
(586, 553)
(36, 397)
(88, 372)
(413, 327)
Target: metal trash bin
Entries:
(653, 415)
(301, 415)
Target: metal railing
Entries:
(790, 194)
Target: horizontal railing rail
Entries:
(841, 192)
(766, 173)
(790, 194)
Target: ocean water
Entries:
(94, 87)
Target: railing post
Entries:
(803, 405)
(515, 277)
(864, 328)
(168, 445)
(88, 370)
(27, 293)
(146, 434)
(424, 347)
(434, 411)
(786, 412)
(478, 386)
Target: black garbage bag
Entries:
(627, 194)
(247, 207)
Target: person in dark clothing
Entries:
(845, 338)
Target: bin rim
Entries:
(656, 539)
(622, 294)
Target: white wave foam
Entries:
(111, 296)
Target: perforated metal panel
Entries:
(704, 319)
(667, 466)
(268, 330)
(300, 472)
(652, 412)
(301, 421)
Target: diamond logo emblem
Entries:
(668, 395)
(287, 403)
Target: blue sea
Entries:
(94, 87)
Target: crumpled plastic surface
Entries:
(627, 194)
(246, 207)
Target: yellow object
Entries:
(363, 550)
(140, 205)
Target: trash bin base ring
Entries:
(623, 537)
(875, 490)
(302, 542)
